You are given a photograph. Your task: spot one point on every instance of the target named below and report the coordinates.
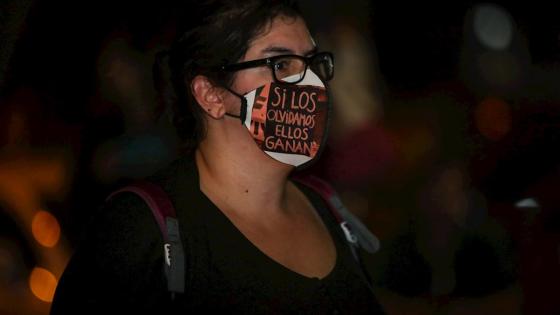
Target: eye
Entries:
(286, 67)
(281, 65)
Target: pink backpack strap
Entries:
(356, 233)
(164, 213)
(155, 198)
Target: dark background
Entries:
(53, 52)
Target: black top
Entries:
(119, 265)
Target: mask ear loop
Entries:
(243, 109)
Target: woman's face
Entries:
(285, 35)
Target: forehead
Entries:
(290, 33)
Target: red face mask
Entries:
(289, 122)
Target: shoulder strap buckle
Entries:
(350, 237)
(164, 213)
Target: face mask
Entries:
(289, 122)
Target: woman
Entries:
(250, 96)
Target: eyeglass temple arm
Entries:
(245, 65)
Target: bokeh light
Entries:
(527, 203)
(45, 228)
(42, 283)
(493, 26)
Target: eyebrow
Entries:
(313, 51)
(283, 50)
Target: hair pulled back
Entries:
(220, 33)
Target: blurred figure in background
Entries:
(146, 144)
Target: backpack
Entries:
(357, 235)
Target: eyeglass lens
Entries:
(323, 66)
(291, 69)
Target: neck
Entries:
(241, 178)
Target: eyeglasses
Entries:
(291, 68)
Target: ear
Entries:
(208, 96)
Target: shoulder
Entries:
(127, 219)
(118, 259)
(121, 238)
(124, 218)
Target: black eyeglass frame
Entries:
(271, 61)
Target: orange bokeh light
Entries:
(43, 284)
(493, 118)
(45, 228)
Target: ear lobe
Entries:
(208, 97)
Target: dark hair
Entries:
(222, 33)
